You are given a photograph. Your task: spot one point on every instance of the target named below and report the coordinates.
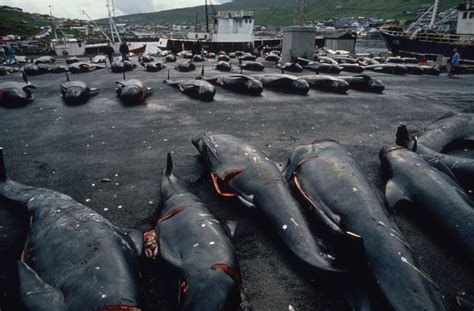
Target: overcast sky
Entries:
(97, 8)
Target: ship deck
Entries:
(71, 149)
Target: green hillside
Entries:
(283, 12)
(21, 23)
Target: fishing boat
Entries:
(231, 31)
(428, 43)
(67, 46)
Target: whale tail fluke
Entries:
(169, 165)
(3, 172)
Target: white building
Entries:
(233, 26)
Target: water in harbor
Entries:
(373, 45)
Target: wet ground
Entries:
(72, 149)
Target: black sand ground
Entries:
(72, 149)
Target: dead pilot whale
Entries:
(337, 193)
(235, 82)
(194, 242)
(75, 92)
(194, 88)
(73, 259)
(238, 169)
(132, 91)
(434, 191)
(284, 83)
(450, 128)
(15, 94)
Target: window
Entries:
(464, 15)
(471, 15)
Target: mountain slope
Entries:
(284, 12)
(21, 23)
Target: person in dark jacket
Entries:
(197, 47)
(109, 51)
(124, 50)
(10, 53)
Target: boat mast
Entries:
(433, 14)
(95, 24)
(207, 19)
(113, 28)
(301, 12)
(54, 22)
(110, 22)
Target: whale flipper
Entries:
(394, 194)
(37, 294)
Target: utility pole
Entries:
(301, 12)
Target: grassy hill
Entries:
(21, 23)
(283, 12)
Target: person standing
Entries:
(197, 47)
(2, 54)
(124, 50)
(455, 63)
(109, 51)
(10, 53)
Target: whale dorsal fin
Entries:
(135, 239)
(231, 226)
(403, 138)
(394, 194)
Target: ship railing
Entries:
(234, 14)
(430, 37)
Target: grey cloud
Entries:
(131, 6)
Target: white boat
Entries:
(68, 47)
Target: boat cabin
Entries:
(233, 26)
(465, 24)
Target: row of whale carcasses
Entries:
(337, 197)
(391, 65)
